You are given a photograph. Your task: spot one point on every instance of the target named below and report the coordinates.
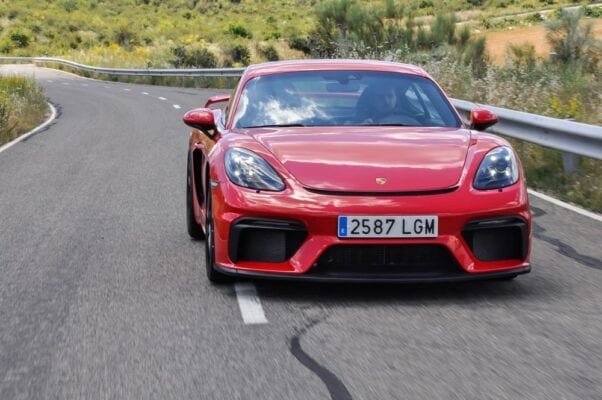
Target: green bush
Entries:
(239, 53)
(6, 46)
(592, 12)
(19, 38)
(535, 18)
(239, 30)
(443, 29)
(269, 53)
(125, 36)
(476, 56)
(523, 56)
(301, 44)
(69, 5)
(573, 43)
(195, 57)
(344, 22)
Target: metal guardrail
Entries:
(573, 138)
(231, 72)
(567, 136)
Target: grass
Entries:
(22, 106)
(544, 172)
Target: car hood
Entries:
(369, 159)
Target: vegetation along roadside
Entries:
(23, 106)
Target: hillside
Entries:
(146, 32)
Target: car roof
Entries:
(331, 65)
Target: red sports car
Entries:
(352, 171)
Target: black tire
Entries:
(194, 230)
(213, 275)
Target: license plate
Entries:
(392, 226)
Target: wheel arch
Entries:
(200, 185)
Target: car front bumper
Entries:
(311, 250)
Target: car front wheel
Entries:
(194, 230)
(213, 275)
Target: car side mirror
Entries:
(481, 119)
(202, 119)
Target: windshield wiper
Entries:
(273, 126)
(384, 124)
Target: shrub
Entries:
(196, 57)
(6, 46)
(344, 22)
(70, 5)
(269, 53)
(535, 18)
(476, 56)
(443, 29)
(572, 42)
(239, 53)
(125, 36)
(301, 44)
(592, 12)
(464, 37)
(239, 30)
(19, 38)
(390, 10)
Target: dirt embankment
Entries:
(497, 42)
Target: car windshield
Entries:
(330, 98)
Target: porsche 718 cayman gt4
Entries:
(354, 171)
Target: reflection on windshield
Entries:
(318, 98)
(274, 111)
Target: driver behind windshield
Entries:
(383, 104)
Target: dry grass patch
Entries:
(22, 106)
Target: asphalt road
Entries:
(103, 295)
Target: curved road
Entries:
(102, 293)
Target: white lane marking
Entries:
(249, 303)
(176, 106)
(66, 83)
(49, 81)
(127, 90)
(568, 206)
(144, 93)
(107, 87)
(162, 98)
(85, 84)
(28, 134)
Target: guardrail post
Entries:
(569, 162)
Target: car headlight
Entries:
(247, 169)
(497, 170)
